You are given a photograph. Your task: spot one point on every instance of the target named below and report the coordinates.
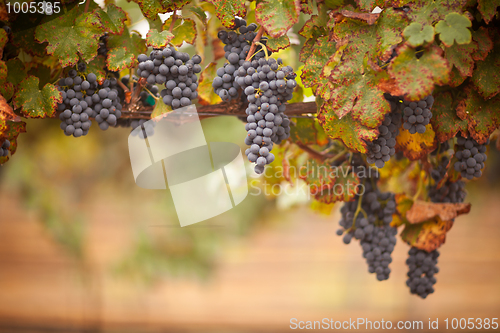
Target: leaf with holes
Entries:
(483, 116)
(157, 39)
(486, 77)
(206, 94)
(445, 121)
(184, 31)
(416, 76)
(277, 17)
(275, 44)
(11, 132)
(415, 146)
(350, 132)
(123, 49)
(36, 103)
(71, 35)
(417, 35)
(454, 28)
(150, 8)
(226, 10)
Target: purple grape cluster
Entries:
(377, 237)
(382, 148)
(4, 148)
(84, 98)
(267, 85)
(237, 46)
(470, 157)
(176, 70)
(422, 266)
(416, 115)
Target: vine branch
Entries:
(254, 43)
(174, 18)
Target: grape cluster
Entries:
(267, 86)
(382, 148)
(103, 44)
(452, 192)
(237, 46)
(421, 270)
(377, 237)
(471, 157)
(174, 69)
(439, 172)
(83, 98)
(416, 115)
(4, 148)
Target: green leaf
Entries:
(11, 131)
(4, 38)
(200, 13)
(454, 28)
(315, 53)
(351, 132)
(160, 108)
(483, 116)
(488, 9)
(36, 103)
(23, 35)
(16, 71)
(206, 94)
(316, 26)
(277, 17)
(112, 19)
(330, 184)
(484, 43)
(150, 8)
(275, 44)
(416, 35)
(226, 10)
(460, 56)
(72, 34)
(431, 11)
(184, 31)
(307, 131)
(445, 122)
(416, 77)
(123, 50)
(486, 77)
(157, 39)
(155, 22)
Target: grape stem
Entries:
(174, 18)
(124, 87)
(152, 95)
(264, 48)
(254, 43)
(87, 3)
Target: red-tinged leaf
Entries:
(415, 146)
(369, 18)
(16, 71)
(226, 10)
(150, 8)
(350, 132)
(427, 236)
(445, 121)
(422, 211)
(488, 9)
(36, 103)
(483, 116)
(277, 17)
(275, 44)
(315, 55)
(416, 76)
(71, 35)
(97, 66)
(184, 31)
(4, 38)
(460, 56)
(308, 132)
(157, 39)
(23, 34)
(486, 77)
(316, 26)
(369, 5)
(4, 13)
(206, 94)
(123, 50)
(6, 112)
(113, 19)
(484, 42)
(306, 6)
(456, 78)
(330, 184)
(431, 11)
(11, 132)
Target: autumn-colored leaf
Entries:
(431, 11)
(415, 146)
(366, 17)
(488, 9)
(123, 50)
(422, 211)
(403, 204)
(34, 102)
(206, 94)
(416, 76)
(275, 44)
(97, 66)
(158, 39)
(445, 121)
(460, 56)
(427, 236)
(11, 131)
(184, 31)
(226, 10)
(112, 19)
(6, 112)
(277, 17)
(23, 34)
(307, 131)
(486, 77)
(150, 8)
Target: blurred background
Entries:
(83, 249)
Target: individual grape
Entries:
(416, 115)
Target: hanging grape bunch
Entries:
(4, 148)
(107, 104)
(382, 148)
(174, 69)
(416, 115)
(422, 266)
(471, 157)
(237, 46)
